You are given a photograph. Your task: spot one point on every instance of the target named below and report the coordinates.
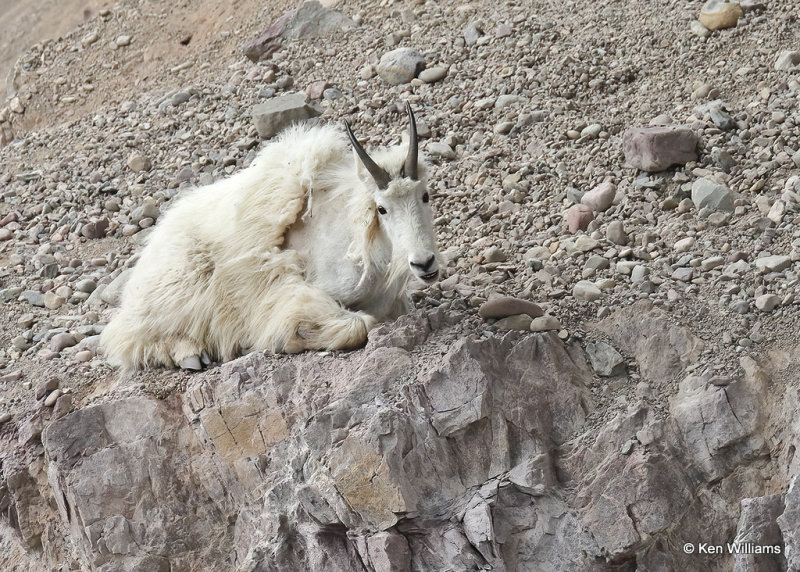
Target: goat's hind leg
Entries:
(186, 354)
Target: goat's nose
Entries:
(422, 266)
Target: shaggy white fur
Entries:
(290, 254)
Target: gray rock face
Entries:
(400, 66)
(655, 149)
(758, 527)
(124, 491)
(661, 348)
(789, 523)
(720, 426)
(274, 115)
(269, 468)
(419, 452)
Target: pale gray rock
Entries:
(433, 74)
(148, 209)
(389, 552)
(721, 118)
(657, 148)
(61, 341)
(605, 360)
(315, 20)
(616, 233)
(310, 20)
(520, 322)
(631, 497)
(767, 302)
(713, 195)
(534, 476)
(272, 116)
(787, 60)
(138, 163)
(400, 66)
(32, 297)
(586, 290)
(773, 263)
(86, 285)
(112, 293)
(545, 324)
(438, 149)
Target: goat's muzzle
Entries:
(425, 267)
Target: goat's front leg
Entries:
(304, 317)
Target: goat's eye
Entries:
(381, 210)
(425, 198)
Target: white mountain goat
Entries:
(307, 248)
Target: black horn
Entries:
(410, 166)
(379, 174)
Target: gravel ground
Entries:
(115, 119)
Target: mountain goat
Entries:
(307, 248)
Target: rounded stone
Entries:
(616, 233)
(601, 197)
(521, 322)
(586, 290)
(578, 217)
(767, 302)
(545, 324)
(61, 341)
(400, 66)
(83, 356)
(718, 15)
(434, 74)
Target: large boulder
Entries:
(657, 148)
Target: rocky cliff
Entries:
(426, 450)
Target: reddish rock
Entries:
(654, 149)
(316, 89)
(601, 197)
(578, 217)
(95, 229)
(267, 43)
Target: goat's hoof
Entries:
(191, 362)
(206, 359)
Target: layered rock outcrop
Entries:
(426, 450)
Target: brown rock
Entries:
(95, 229)
(316, 89)
(654, 149)
(717, 15)
(504, 306)
(46, 387)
